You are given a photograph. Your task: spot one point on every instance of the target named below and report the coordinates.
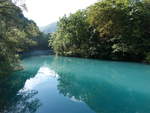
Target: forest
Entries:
(94, 59)
(108, 29)
(17, 35)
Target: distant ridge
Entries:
(49, 28)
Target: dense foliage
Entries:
(71, 36)
(17, 34)
(42, 42)
(109, 29)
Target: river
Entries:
(52, 84)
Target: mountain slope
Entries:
(49, 28)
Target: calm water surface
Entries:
(50, 84)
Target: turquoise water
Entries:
(50, 84)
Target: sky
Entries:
(44, 12)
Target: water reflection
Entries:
(83, 86)
(25, 103)
(13, 101)
(105, 88)
(102, 96)
(43, 74)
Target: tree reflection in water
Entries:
(102, 97)
(106, 87)
(25, 103)
(90, 85)
(12, 100)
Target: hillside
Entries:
(49, 28)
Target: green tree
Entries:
(125, 23)
(16, 35)
(108, 29)
(71, 37)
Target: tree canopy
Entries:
(16, 35)
(108, 29)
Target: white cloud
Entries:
(44, 12)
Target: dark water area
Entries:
(36, 53)
(51, 84)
